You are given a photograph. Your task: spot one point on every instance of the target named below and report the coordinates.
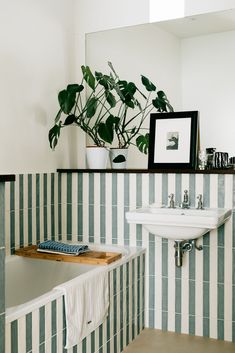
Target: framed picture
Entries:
(173, 140)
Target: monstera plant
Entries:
(108, 108)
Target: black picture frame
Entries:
(173, 140)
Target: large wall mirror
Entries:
(191, 59)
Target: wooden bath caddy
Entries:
(90, 257)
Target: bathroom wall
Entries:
(197, 299)
(36, 62)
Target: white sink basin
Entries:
(178, 223)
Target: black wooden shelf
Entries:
(7, 177)
(136, 171)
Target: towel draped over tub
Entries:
(86, 304)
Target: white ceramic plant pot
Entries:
(97, 157)
(118, 158)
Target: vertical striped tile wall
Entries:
(198, 298)
(43, 330)
(31, 210)
(2, 268)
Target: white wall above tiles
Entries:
(36, 61)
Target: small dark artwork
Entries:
(172, 141)
(119, 159)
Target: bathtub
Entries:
(31, 297)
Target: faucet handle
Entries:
(172, 202)
(200, 202)
(185, 195)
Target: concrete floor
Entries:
(156, 341)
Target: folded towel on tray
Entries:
(56, 247)
(86, 304)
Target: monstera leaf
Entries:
(142, 142)
(106, 130)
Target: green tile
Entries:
(114, 315)
(220, 265)
(2, 215)
(164, 294)
(178, 191)
(165, 189)
(14, 337)
(93, 342)
(2, 333)
(12, 195)
(45, 223)
(206, 327)
(38, 190)
(69, 210)
(21, 226)
(84, 348)
(103, 221)
(220, 308)
(126, 190)
(69, 188)
(114, 189)
(221, 235)
(139, 235)
(192, 325)
(178, 296)
(164, 321)
(151, 188)
(42, 324)
(101, 336)
(28, 332)
(53, 318)
(178, 323)
(54, 345)
(192, 297)
(206, 190)
(138, 190)
(91, 223)
(206, 299)
(165, 259)
(192, 189)
(151, 292)
(206, 263)
(192, 262)
(91, 188)
(21, 192)
(80, 188)
(220, 329)
(152, 258)
(44, 189)
(2, 281)
(221, 190)
(114, 224)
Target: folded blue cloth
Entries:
(58, 247)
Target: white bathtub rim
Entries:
(14, 313)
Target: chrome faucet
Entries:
(200, 203)
(172, 202)
(185, 203)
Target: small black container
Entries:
(210, 157)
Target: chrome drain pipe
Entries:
(181, 246)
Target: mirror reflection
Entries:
(191, 59)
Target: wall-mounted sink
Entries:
(177, 223)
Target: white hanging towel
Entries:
(86, 304)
